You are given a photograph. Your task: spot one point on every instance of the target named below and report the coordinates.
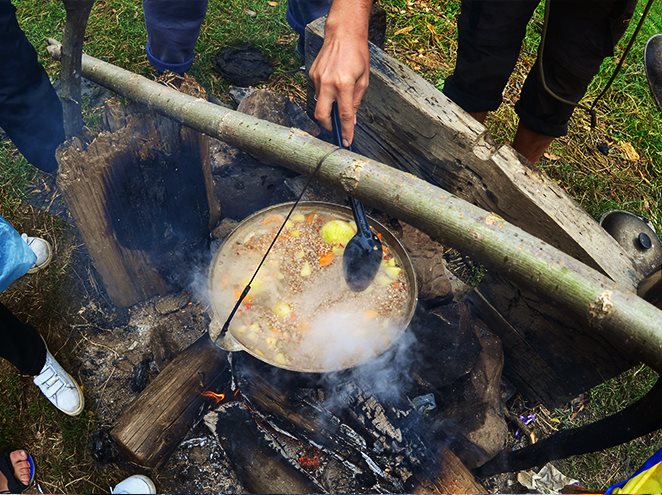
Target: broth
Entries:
(300, 313)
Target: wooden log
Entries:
(406, 122)
(258, 466)
(140, 212)
(453, 477)
(78, 11)
(603, 304)
(155, 423)
(364, 433)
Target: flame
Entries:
(213, 395)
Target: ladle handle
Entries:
(360, 217)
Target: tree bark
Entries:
(627, 320)
(78, 11)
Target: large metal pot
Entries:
(231, 341)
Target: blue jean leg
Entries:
(173, 27)
(303, 12)
(16, 257)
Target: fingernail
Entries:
(345, 143)
(355, 120)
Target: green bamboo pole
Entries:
(628, 321)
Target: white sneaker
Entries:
(135, 484)
(59, 387)
(42, 249)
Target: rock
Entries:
(242, 65)
(478, 411)
(238, 93)
(102, 446)
(223, 229)
(140, 376)
(279, 109)
(170, 304)
(427, 257)
(246, 188)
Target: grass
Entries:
(422, 33)
(599, 470)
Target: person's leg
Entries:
(30, 111)
(579, 36)
(300, 13)
(490, 34)
(21, 344)
(173, 27)
(16, 257)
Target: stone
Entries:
(170, 304)
(427, 256)
(224, 229)
(279, 109)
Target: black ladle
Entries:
(653, 64)
(363, 253)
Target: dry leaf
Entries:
(250, 13)
(273, 4)
(630, 153)
(551, 156)
(404, 30)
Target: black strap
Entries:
(13, 483)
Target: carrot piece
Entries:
(379, 236)
(370, 314)
(395, 285)
(327, 258)
(311, 217)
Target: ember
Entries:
(213, 395)
(310, 461)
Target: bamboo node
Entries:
(350, 177)
(602, 306)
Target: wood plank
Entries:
(154, 424)
(406, 122)
(138, 210)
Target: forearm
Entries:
(349, 18)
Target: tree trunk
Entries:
(78, 12)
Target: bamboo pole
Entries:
(628, 321)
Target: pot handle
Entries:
(227, 342)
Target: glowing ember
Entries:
(310, 462)
(213, 395)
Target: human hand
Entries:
(340, 73)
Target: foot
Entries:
(42, 249)
(21, 469)
(135, 484)
(59, 387)
(531, 144)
